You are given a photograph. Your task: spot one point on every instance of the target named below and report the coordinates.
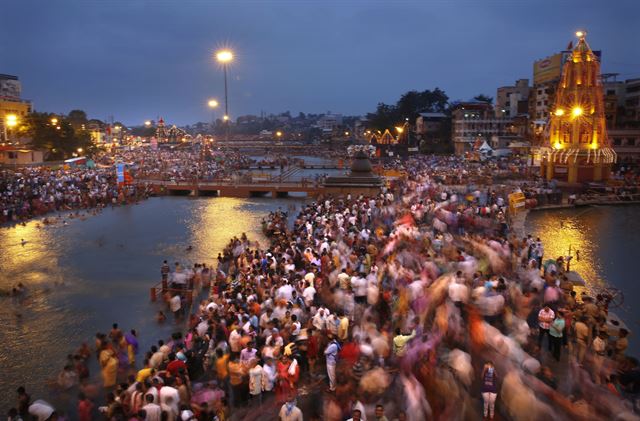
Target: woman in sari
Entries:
(108, 365)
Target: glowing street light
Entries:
(147, 123)
(278, 133)
(224, 57)
(400, 129)
(80, 150)
(213, 103)
(225, 117)
(12, 120)
(54, 121)
(559, 112)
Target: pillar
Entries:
(572, 172)
(597, 172)
(549, 170)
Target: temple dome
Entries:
(361, 164)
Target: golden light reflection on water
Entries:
(567, 233)
(28, 252)
(222, 219)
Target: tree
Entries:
(77, 118)
(483, 98)
(60, 140)
(408, 106)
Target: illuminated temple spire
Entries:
(578, 149)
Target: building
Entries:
(429, 125)
(476, 120)
(577, 147)
(12, 107)
(513, 100)
(330, 122)
(12, 155)
(626, 143)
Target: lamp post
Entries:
(213, 104)
(224, 57)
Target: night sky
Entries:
(136, 60)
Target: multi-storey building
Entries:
(513, 100)
(473, 121)
(12, 107)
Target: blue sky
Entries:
(137, 60)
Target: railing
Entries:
(161, 288)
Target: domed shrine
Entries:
(360, 180)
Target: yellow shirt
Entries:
(221, 367)
(343, 329)
(143, 374)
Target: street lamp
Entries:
(54, 121)
(278, 134)
(147, 123)
(10, 121)
(213, 104)
(224, 57)
(80, 150)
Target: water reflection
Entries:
(607, 239)
(83, 276)
(570, 233)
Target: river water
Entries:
(93, 272)
(607, 240)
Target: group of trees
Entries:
(60, 136)
(408, 106)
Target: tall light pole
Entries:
(213, 104)
(224, 57)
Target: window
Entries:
(611, 92)
(617, 141)
(631, 141)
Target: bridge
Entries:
(230, 188)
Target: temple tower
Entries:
(577, 149)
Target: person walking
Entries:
(489, 389)
(545, 318)
(331, 355)
(556, 330)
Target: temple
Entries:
(361, 179)
(577, 149)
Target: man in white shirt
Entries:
(359, 286)
(308, 294)
(269, 376)
(169, 396)
(153, 411)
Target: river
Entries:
(93, 272)
(607, 240)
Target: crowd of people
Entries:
(417, 303)
(32, 192)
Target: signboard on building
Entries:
(547, 69)
(550, 68)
